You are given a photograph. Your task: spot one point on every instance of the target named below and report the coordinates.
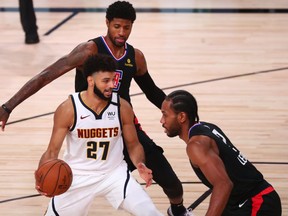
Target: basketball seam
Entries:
(62, 169)
(69, 171)
(58, 177)
(48, 173)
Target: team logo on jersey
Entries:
(117, 80)
(128, 63)
(84, 133)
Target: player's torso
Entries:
(241, 172)
(126, 66)
(94, 143)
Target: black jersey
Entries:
(246, 178)
(124, 73)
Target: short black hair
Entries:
(97, 63)
(121, 9)
(183, 101)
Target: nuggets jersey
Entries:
(94, 142)
(246, 178)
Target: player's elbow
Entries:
(229, 185)
(225, 186)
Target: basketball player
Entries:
(131, 64)
(93, 121)
(238, 188)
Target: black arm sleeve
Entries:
(154, 94)
(80, 81)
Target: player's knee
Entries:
(174, 189)
(171, 186)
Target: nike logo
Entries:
(83, 117)
(241, 204)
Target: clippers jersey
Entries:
(126, 65)
(94, 142)
(246, 178)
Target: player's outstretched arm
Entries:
(134, 148)
(74, 59)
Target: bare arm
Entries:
(63, 120)
(203, 153)
(134, 148)
(74, 59)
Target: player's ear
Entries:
(182, 117)
(90, 80)
(107, 23)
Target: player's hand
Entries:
(3, 118)
(145, 173)
(38, 188)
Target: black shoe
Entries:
(32, 39)
(188, 212)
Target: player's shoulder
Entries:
(125, 106)
(89, 47)
(66, 106)
(92, 46)
(138, 53)
(124, 103)
(140, 62)
(64, 114)
(200, 128)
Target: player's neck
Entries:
(94, 102)
(117, 52)
(184, 133)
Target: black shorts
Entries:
(265, 203)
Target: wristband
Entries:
(6, 109)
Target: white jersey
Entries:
(94, 143)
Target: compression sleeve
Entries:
(154, 94)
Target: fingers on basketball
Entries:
(53, 178)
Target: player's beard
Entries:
(100, 94)
(113, 40)
(173, 130)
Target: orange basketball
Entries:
(54, 177)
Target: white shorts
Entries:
(118, 187)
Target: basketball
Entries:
(54, 177)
